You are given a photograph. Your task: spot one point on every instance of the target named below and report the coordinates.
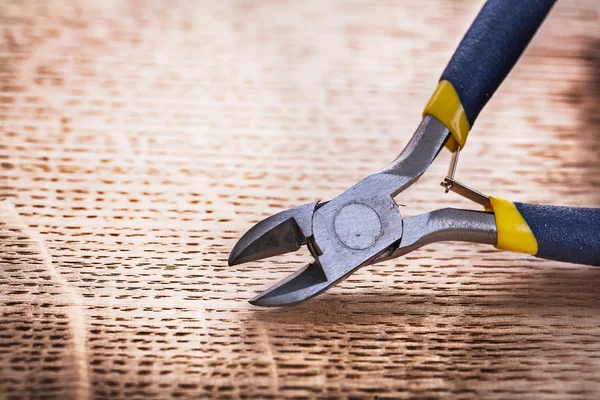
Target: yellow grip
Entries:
(514, 234)
(445, 105)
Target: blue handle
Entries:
(490, 49)
(564, 233)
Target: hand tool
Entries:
(363, 225)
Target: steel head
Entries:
(347, 233)
(352, 230)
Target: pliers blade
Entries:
(278, 234)
(307, 282)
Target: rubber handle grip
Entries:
(490, 48)
(564, 233)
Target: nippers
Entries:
(363, 225)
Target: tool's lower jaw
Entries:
(304, 284)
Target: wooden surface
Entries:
(139, 140)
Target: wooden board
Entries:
(140, 140)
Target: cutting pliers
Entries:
(363, 225)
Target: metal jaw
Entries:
(361, 226)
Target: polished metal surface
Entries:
(357, 226)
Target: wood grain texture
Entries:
(140, 140)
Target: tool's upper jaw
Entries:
(281, 233)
